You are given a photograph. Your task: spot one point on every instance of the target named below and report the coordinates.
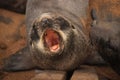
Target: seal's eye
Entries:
(34, 33)
(46, 22)
(36, 27)
(62, 22)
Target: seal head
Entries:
(49, 34)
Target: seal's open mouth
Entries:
(52, 40)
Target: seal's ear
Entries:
(94, 14)
(19, 61)
(94, 17)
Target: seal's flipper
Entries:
(19, 61)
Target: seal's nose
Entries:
(46, 22)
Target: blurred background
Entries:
(14, 5)
(12, 35)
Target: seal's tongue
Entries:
(52, 40)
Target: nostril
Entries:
(46, 22)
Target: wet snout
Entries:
(46, 22)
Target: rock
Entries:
(1, 75)
(14, 5)
(50, 75)
(23, 75)
(12, 32)
(85, 74)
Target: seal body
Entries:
(55, 33)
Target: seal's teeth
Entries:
(54, 48)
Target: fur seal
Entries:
(55, 36)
